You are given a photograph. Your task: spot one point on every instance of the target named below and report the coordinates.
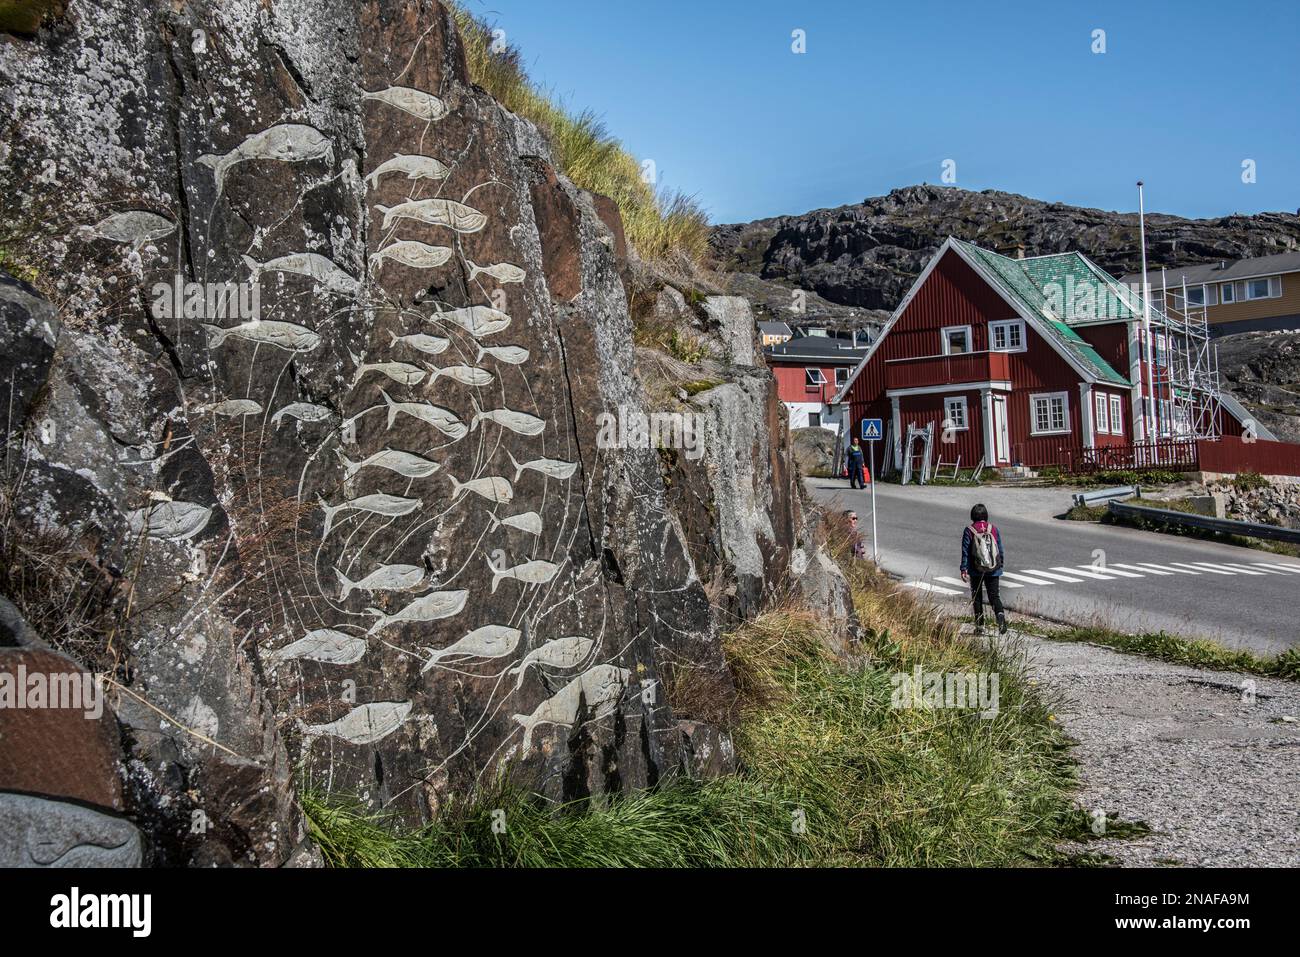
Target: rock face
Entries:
(329, 389)
(1263, 370)
(869, 253)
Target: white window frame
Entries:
(1227, 293)
(1008, 325)
(841, 377)
(949, 421)
(1268, 285)
(810, 382)
(970, 339)
(1048, 397)
(1101, 411)
(1204, 296)
(1116, 415)
(810, 420)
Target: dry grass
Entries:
(661, 225)
(61, 588)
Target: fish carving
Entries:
(286, 143)
(551, 468)
(536, 572)
(170, 521)
(324, 645)
(490, 641)
(384, 578)
(529, 522)
(502, 272)
(135, 226)
(429, 345)
(413, 253)
(406, 464)
(269, 332)
(436, 416)
(465, 375)
(477, 320)
(312, 265)
(423, 105)
(303, 412)
(494, 489)
(518, 422)
(414, 166)
(431, 607)
(514, 355)
(364, 725)
(559, 653)
(390, 506)
(436, 212)
(599, 687)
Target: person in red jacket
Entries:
(981, 566)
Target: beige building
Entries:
(1243, 295)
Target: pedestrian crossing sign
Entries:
(871, 430)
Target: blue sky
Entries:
(1011, 92)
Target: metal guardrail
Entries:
(1227, 526)
(1106, 494)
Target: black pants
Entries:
(990, 583)
(855, 474)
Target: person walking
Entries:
(856, 463)
(981, 566)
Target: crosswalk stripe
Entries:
(1232, 568)
(1266, 570)
(1111, 570)
(1149, 569)
(1205, 568)
(950, 581)
(1085, 571)
(1168, 568)
(1026, 579)
(926, 586)
(1294, 569)
(1052, 575)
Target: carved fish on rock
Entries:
(285, 143)
(364, 725)
(599, 687)
(490, 641)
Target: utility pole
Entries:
(1146, 323)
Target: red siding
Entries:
(1231, 454)
(1111, 342)
(955, 295)
(791, 383)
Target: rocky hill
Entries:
(867, 254)
(321, 398)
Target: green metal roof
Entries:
(1039, 287)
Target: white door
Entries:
(1001, 443)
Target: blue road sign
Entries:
(872, 430)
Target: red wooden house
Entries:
(1019, 362)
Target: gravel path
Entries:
(1217, 778)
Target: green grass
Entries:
(730, 822)
(660, 225)
(1197, 652)
(1086, 513)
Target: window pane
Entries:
(1257, 289)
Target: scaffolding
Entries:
(1185, 390)
(1181, 361)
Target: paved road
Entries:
(1076, 571)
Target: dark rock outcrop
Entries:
(868, 254)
